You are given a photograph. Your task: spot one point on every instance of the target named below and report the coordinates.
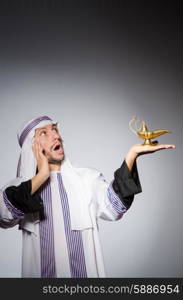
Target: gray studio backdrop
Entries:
(94, 116)
(93, 89)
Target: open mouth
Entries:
(57, 147)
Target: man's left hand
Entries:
(140, 149)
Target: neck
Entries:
(54, 165)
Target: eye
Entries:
(43, 133)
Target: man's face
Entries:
(51, 142)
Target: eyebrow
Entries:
(44, 128)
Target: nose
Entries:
(55, 135)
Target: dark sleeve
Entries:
(21, 198)
(126, 183)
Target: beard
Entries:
(54, 161)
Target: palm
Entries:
(143, 149)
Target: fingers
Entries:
(162, 146)
(166, 146)
(37, 148)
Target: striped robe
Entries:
(53, 247)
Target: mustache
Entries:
(60, 140)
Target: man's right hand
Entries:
(42, 161)
(42, 164)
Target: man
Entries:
(57, 205)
